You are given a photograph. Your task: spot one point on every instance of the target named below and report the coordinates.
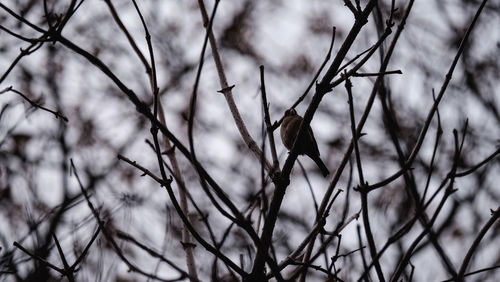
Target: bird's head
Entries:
(290, 112)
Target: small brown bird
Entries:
(307, 145)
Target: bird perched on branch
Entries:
(307, 145)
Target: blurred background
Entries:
(40, 195)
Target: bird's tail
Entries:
(320, 165)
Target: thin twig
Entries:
(35, 104)
(494, 216)
(43, 261)
(108, 235)
(130, 39)
(226, 90)
(127, 237)
(432, 111)
(267, 120)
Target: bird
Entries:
(307, 145)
